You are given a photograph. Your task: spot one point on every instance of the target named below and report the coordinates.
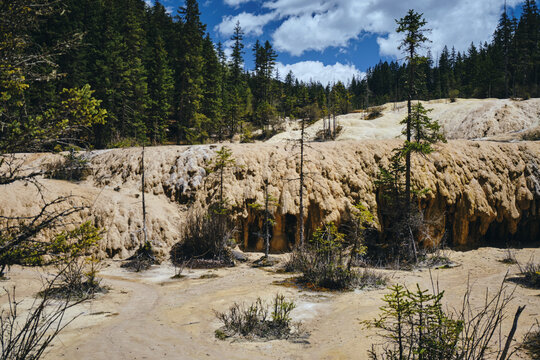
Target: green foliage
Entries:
(160, 92)
(453, 94)
(124, 143)
(412, 26)
(425, 131)
(254, 321)
(77, 242)
(63, 247)
(247, 133)
(323, 261)
(219, 166)
(415, 326)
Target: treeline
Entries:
(162, 79)
(508, 66)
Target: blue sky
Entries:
(330, 40)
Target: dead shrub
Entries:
(258, 320)
(509, 258)
(28, 333)
(142, 260)
(77, 280)
(72, 167)
(530, 275)
(206, 240)
(531, 343)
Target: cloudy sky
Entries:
(330, 40)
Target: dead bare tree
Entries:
(25, 334)
(145, 233)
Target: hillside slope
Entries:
(464, 119)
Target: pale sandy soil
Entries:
(150, 316)
(463, 119)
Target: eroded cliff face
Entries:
(481, 192)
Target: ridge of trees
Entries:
(161, 78)
(507, 66)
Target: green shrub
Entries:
(415, 326)
(256, 320)
(326, 262)
(124, 143)
(453, 94)
(64, 247)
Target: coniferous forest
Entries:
(162, 79)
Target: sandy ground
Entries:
(151, 316)
(463, 119)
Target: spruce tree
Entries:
(192, 121)
(160, 90)
(212, 88)
(413, 27)
(236, 88)
(502, 41)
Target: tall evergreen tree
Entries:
(191, 120)
(413, 27)
(160, 90)
(236, 87)
(212, 88)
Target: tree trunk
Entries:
(266, 221)
(302, 185)
(143, 198)
(512, 333)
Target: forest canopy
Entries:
(155, 77)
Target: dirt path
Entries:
(132, 323)
(160, 318)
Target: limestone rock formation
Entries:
(464, 119)
(481, 192)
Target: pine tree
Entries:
(236, 88)
(413, 26)
(160, 90)
(502, 41)
(212, 88)
(192, 122)
(527, 41)
(265, 60)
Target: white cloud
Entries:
(227, 49)
(235, 3)
(319, 24)
(316, 71)
(251, 24)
